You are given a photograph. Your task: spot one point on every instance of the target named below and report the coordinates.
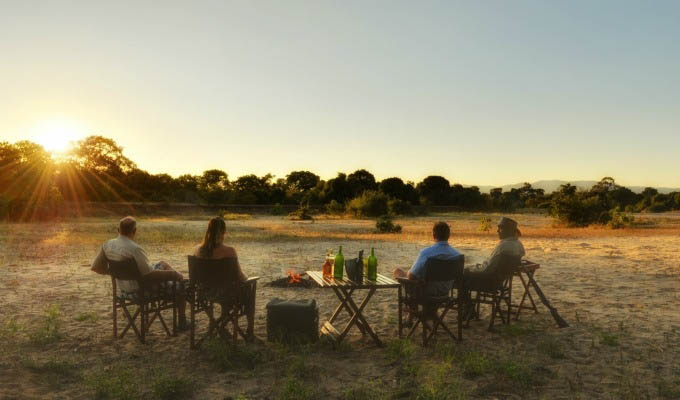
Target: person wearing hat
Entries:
(509, 244)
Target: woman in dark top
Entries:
(213, 247)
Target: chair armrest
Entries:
(410, 282)
(251, 280)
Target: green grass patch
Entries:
(552, 348)
(90, 316)
(515, 371)
(517, 329)
(668, 389)
(366, 391)
(11, 328)
(49, 329)
(474, 364)
(55, 372)
(609, 339)
(114, 383)
(400, 350)
(294, 389)
(439, 382)
(227, 357)
(165, 386)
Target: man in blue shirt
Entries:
(439, 250)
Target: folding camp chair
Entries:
(216, 281)
(414, 297)
(149, 298)
(493, 288)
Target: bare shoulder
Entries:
(227, 251)
(196, 251)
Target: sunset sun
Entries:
(56, 135)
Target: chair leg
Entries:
(192, 332)
(493, 313)
(399, 314)
(144, 324)
(115, 318)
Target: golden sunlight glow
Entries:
(56, 135)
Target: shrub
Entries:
(399, 207)
(620, 220)
(48, 332)
(485, 224)
(384, 224)
(277, 210)
(334, 207)
(302, 213)
(369, 204)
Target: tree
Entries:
(251, 189)
(435, 190)
(100, 154)
(396, 188)
(361, 180)
(337, 189)
(302, 181)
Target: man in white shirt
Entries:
(123, 247)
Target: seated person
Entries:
(509, 244)
(123, 247)
(213, 247)
(439, 250)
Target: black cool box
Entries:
(292, 320)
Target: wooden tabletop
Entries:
(383, 282)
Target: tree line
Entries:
(35, 186)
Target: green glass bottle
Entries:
(372, 266)
(339, 264)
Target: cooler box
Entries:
(292, 320)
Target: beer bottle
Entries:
(339, 264)
(372, 266)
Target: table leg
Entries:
(343, 305)
(358, 316)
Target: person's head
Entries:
(127, 227)
(441, 231)
(214, 236)
(507, 227)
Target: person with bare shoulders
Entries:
(213, 247)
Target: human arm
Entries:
(417, 271)
(100, 264)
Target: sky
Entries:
(481, 92)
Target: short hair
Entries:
(441, 231)
(127, 225)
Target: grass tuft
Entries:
(165, 386)
(87, 317)
(49, 330)
(609, 339)
(114, 383)
(227, 357)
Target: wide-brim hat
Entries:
(507, 223)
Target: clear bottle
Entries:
(339, 264)
(372, 266)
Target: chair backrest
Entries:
(124, 270)
(507, 265)
(437, 270)
(213, 272)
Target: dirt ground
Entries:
(619, 290)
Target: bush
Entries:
(369, 204)
(334, 207)
(277, 210)
(485, 224)
(620, 220)
(302, 213)
(399, 207)
(384, 224)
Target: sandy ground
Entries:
(618, 289)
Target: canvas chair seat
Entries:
(414, 299)
(494, 289)
(216, 281)
(149, 300)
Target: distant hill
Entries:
(551, 185)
